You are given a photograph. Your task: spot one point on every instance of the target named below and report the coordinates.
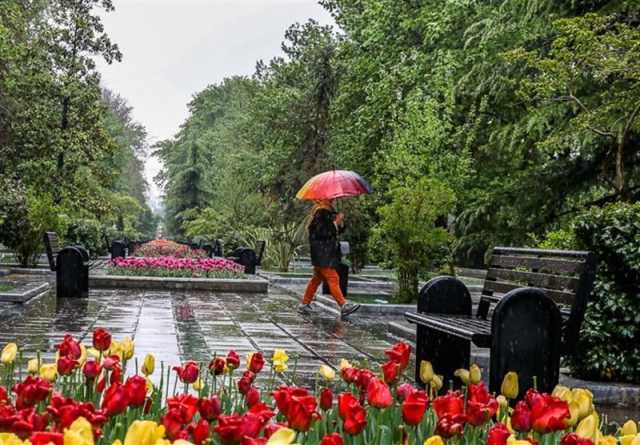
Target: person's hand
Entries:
(339, 219)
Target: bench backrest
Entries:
(52, 247)
(565, 276)
(260, 246)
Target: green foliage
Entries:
(407, 231)
(90, 234)
(611, 350)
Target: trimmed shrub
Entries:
(88, 233)
(609, 345)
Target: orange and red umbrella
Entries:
(334, 184)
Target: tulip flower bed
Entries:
(176, 267)
(86, 398)
(166, 248)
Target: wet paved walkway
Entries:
(194, 325)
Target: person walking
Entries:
(325, 226)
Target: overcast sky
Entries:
(174, 48)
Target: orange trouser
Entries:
(320, 274)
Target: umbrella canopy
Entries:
(334, 184)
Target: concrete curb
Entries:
(23, 297)
(253, 285)
(31, 271)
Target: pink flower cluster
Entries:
(167, 248)
(176, 267)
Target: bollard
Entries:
(118, 249)
(247, 258)
(217, 248)
(72, 273)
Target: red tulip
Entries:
(346, 402)
(185, 406)
(302, 412)
(116, 375)
(31, 391)
(450, 425)
(404, 390)
(209, 408)
(136, 388)
(101, 339)
(199, 431)
(115, 400)
(244, 384)
(548, 413)
(272, 428)
(378, 394)
(252, 397)
(253, 441)
(356, 421)
(498, 434)
(414, 407)
(28, 421)
(399, 353)
(263, 412)
(332, 439)
(480, 405)
(232, 429)
(257, 362)
(4, 397)
(69, 347)
(45, 438)
(326, 399)
(173, 424)
(188, 373)
(574, 439)
(66, 365)
(391, 372)
(284, 397)
(521, 417)
(364, 377)
(233, 360)
(350, 375)
(216, 366)
(91, 369)
(450, 404)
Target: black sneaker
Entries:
(305, 309)
(348, 309)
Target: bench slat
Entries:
(553, 265)
(473, 329)
(559, 297)
(533, 279)
(580, 254)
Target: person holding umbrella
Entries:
(324, 227)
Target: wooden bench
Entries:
(53, 248)
(530, 312)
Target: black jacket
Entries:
(323, 239)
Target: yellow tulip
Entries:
(436, 382)
(9, 353)
(606, 440)
(279, 366)
(636, 440)
(513, 441)
(327, 373)
(177, 442)
(11, 439)
(510, 386)
(79, 433)
(33, 366)
(475, 374)
(462, 374)
(574, 410)
(283, 436)
(588, 427)
(117, 442)
(502, 401)
(83, 356)
(630, 428)
(280, 355)
(562, 392)
(148, 364)
(426, 371)
(144, 432)
(116, 349)
(198, 385)
(93, 352)
(626, 440)
(49, 372)
(434, 440)
(128, 348)
(344, 364)
(584, 400)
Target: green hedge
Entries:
(609, 345)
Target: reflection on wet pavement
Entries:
(194, 325)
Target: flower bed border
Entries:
(242, 285)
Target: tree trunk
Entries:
(619, 181)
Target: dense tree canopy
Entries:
(67, 147)
(494, 99)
